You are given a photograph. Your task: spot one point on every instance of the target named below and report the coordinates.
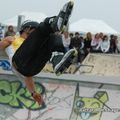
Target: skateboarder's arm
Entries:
(30, 84)
(31, 87)
(6, 42)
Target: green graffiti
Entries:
(13, 93)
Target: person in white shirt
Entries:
(105, 44)
(95, 43)
(66, 40)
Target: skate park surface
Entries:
(93, 93)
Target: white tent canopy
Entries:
(91, 25)
(34, 16)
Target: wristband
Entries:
(33, 93)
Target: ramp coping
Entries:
(77, 78)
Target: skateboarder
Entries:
(33, 48)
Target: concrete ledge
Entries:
(112, 80)
(82, 78)
(76, 78)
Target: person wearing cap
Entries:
(29, 52)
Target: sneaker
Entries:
(66, 61)
(60, 22)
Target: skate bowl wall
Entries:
(102, 65)
(67, 97)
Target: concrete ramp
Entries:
(103, 65)
(67, 97)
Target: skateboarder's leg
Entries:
(36, 41)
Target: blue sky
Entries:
(106, 10)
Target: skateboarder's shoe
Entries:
(66, 61)
(60, 22)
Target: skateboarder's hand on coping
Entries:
(38, 98)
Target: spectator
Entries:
(117, 43)
(82, 53)
(95, 43)
(71, 35)
(76, 42)
(105, 44)
(10, 31)
(101, 35)
(66, 40)
(113, 44)
(87, 43)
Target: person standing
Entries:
(10, 31)
(77, 43)
(87, 43)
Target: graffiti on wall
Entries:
(5, 65)
(85, 108)
(12, 93)
(59, 99)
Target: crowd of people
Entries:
(84, 43)
(98, 43)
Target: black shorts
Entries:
(36, 50)
(33, 54)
